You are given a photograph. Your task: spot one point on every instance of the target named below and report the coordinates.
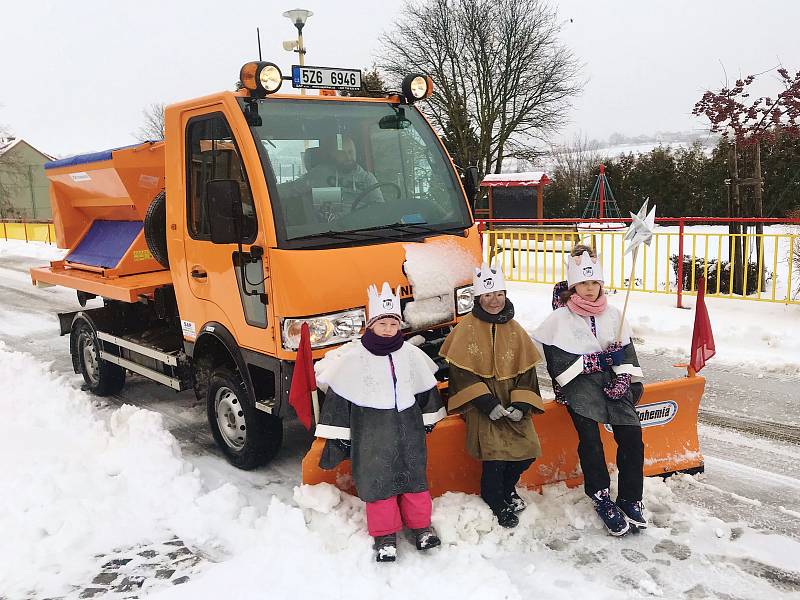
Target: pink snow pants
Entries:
(384, 516)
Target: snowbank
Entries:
(74, 484)
(77, 480)
(31, 249)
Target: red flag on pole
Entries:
(303, 381)
(702, 337)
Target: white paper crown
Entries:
(584, 268)
(385, 304)
(488, 279)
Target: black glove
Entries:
(343, 445)
(429, 428)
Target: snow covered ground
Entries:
(127, 496)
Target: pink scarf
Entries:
(585, 308)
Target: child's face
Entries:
(588, 290)
(492, 302)
(386, 327)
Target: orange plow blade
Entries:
(667, 410)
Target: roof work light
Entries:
(416, 87)
(261, 78)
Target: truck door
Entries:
(213, 277)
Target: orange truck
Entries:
(260, 212)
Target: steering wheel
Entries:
(372, 188)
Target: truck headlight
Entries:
(261, 78)
(325, 330)
(465, 299)
(416, 87)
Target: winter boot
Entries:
(633, 511)
(385, 548)
(612, 517)
(516, 503)
(425, 538)
(506, 517)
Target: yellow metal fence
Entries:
(770, 269)
(29, 232)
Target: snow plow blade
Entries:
(667, 410)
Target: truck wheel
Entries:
(248, 437)
(102, 377)
(155, 228)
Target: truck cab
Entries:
(277, 210)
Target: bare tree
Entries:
(11, 172)
(575, 164)
(153, 127)
(500, 61)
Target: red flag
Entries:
(303, 380)
(702, 336)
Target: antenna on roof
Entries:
(258, 35)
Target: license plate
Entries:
(326, 78)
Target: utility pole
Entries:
(298, 17)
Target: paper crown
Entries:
(385, 304)
(584, 268)
(488, 279)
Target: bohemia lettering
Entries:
(655, 414)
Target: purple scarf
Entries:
(379, 345)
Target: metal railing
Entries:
(29, 231)
(768, 268)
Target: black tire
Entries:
(155, 228)
(248, 437)
(102, 377)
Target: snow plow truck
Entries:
(260, 212)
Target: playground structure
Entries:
(601, 203)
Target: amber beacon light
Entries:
(261, 78)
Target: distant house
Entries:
(23, 186)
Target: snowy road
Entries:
(749, 433)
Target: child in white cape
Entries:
(599, 376)
(381, 401)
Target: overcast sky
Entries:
(75, 76)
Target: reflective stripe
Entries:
(332, 432)
(431, 418)
(571, 373)
(630, 369)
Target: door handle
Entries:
(199, 273)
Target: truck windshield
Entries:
(352, 171)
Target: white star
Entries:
(641, 228)
(642, 214)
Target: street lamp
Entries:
(298, 17)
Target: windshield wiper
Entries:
(420, 226)
(355, 235)
(339, 235)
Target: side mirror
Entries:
(224, 203)
(471, 181)
(395, 121)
